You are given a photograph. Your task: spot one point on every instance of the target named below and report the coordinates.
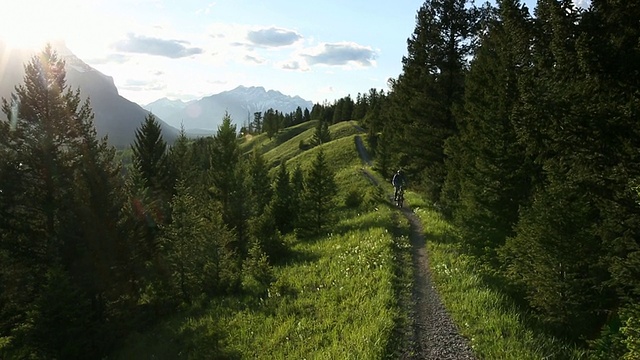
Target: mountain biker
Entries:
(398, 183)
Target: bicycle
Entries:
(400, 198)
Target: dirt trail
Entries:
(434, 335)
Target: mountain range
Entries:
(241, 103)
(119, 117)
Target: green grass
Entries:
(291, 148)
(337, 302)
(337, 297)
(344, 295)
(264, 144)
(486, 316)
(497, 329)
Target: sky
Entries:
(187, 49)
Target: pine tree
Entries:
(322, 134)
(180, 157)
(488, 172)
(195, 246)
(225, 159)
(316, 112)
(297, 193)
(282, 203)
(259, 183)
(609, 52)
(271, 123)
(299, 117)
(318, 197)
(151, 158)
(431, 88)
(306, 115)
(229, 177)
(58, 205)
(556, 252)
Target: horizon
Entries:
(156, 49)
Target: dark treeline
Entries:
(88, 256)
(523, 129)
(272, 121)
(365, 108)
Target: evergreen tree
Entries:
(318, 197)
(322, 134)
(431, 88)
(306, 116)
(151, 159)
(257, 274)
(556, 252)
(58, 220)
(225, 159)
(360, 107)
(282, 203)
(257, 122)
(488, 172)
(195, 246)
(271, 123)
(316, 112)
(297, 193)
(229, 177)
(259, 183)
(180, 157)
(299, 117)
(266, 234)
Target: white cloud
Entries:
(293, 65)
(207, 9)
(155, 46)
(339, 54)
(273, 37)
(254, 59)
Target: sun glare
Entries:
(29, 24)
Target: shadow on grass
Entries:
(297, 256)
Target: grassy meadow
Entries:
(338, 296)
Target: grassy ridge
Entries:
(338, 296)
(291, 148)
(342, 295)
(264, 144)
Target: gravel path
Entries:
(434, 335)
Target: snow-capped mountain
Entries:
(241, 103)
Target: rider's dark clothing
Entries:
(398, 182)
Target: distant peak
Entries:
(249, 88)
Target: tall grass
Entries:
(335, 300)
(497, 329)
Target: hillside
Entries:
(365, 289)
(349, 276)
